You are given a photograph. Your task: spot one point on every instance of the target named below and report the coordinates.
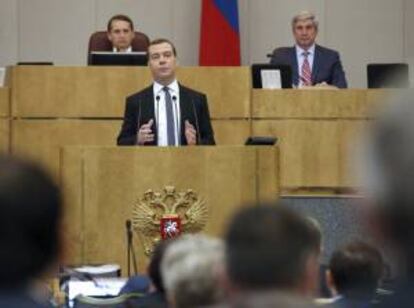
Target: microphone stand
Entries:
(130, 249)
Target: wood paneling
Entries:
(101, 92)
(4, 102)
(41, 140)
(4, 135)
(102, 185)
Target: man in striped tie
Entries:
(312, 64)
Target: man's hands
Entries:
(190, 133)
(145, 133)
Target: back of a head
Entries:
(268, 247)
(189, 270)
(30, 212)
(389, 172)
(356, 270)
(154, 267)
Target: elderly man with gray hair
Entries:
(190, 270)
(311, 64)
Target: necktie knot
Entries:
(166, 89)
(306, 54)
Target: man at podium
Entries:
(166, 113)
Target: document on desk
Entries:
(271, 79)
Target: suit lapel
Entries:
(186, 111)
(294, 65)
(147, 110)
(316, 64)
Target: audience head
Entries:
(120, 31)
(272, 247)
(305, 29)
(389, 174)
(30, 217)
(154, 267)
(190, 271)
(355, 270)
(316, 229)
(162, 60)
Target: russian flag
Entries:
(219, 37)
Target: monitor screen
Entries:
(388, 75)
(118, 59)
(271, 76)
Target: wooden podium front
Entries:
(103, 184)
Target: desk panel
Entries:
(99, 92)
(4, 102)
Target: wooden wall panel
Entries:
(231, 132)
(74, 91)
(309, 151)
(111, 180)
(4, 102)
(317, 104)
(4, 135)
(100, 92)
(41, 139)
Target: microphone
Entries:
(130, 248)
(174, 98)
(196, 122)
(157, 120)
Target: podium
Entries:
(102, 186)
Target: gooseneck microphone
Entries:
(157, 120)
(130, 248)
(177, 125)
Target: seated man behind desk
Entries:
(312, 65)
(121, 33)
(165, 113)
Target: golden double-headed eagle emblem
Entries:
(153, 206)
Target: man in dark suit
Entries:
(166, 113)
(312, 65)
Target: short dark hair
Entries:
(161, 41)
(154, 267)
(268, 246)
(30, 214)
(356, 270)
(120, 17)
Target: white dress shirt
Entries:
(128, 50)
(300, 58)
(161, 114)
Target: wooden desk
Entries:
(316, 131)
(4, 119)
(102, 185)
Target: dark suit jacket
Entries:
(140, 109)
(327, 65)
(20, 299)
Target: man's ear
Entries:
(109, 36)
(310, 281)
(330, 282)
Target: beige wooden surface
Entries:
(4, 102)
(4, 135)
(41, 139)
(231, 132)
(47, 91)
(102, 184)
(316, 104)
